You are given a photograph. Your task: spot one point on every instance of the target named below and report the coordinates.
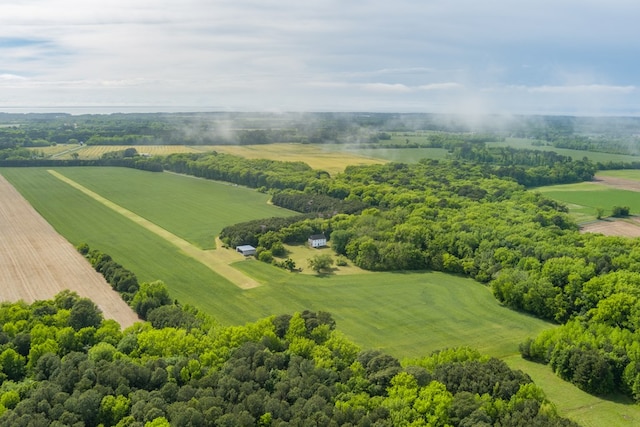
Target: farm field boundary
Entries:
(36, 263)
(216, 261)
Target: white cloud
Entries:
(405, 55)
(583, 89)
(441, 86)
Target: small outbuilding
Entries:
(246, 250)
(317, 241)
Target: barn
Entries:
(246, 250)
(317, 241)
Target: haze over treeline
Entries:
(259, 128)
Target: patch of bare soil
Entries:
(621, 183)
(36, 263)
(619, 227)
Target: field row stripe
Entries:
(207, 258)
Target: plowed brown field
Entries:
(36, 262)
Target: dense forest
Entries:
(62, 364)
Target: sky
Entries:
(575, 57)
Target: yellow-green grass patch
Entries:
(317, 156)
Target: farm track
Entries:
(217, 260)
(36, 263)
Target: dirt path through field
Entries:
(36, 263)
(217, 260)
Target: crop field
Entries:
(37, 263)
(96, 151)
(584, 199)
(333, 158)
(627, 174)
(191, 208)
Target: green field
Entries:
(584, 199)
(405, 314)
(194, 209)
(630, 174)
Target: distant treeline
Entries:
(141, 163)
(609, 134)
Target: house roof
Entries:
(317, 237)
(245, 248)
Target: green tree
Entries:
(150, 296)
(84, 313)
(320, 263)
(12, 364)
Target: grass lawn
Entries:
(405, 314)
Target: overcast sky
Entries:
(503, 56)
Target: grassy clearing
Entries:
(406, 314)
(587, 410)
(300, 254)
(584, 199)
(191, 208)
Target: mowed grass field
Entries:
(191, 208)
